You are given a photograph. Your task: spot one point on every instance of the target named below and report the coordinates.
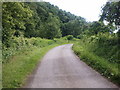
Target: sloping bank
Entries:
(21, 59)
(101, 54)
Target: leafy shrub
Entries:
(100, 63)
(19, 44)
(80, 36)
(69, 37)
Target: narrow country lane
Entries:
(61, 68)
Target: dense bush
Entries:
(101, 52)
(69, 37)
(20, 44)
(106, 45)
(79, 36)
(38, 19)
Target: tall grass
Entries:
(20, 44)
(15, 72)
(101, 53)
(21, 58)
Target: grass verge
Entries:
(103, 66)
(19, 66)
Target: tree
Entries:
(34, 22)
(53, 27)
(38, 19)
(111, 13)
(97, 26)
(14, 17)
(73, 27)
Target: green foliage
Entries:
(69, 37)
(21, 65)
(73, 27)
(19, 43)
(96, 27)
(107, 45)
(111, 12)
(21, 58)
(101, 52)
(79, 36)
(40, 19)
(52, 27)
(14, 17)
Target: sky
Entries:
(89, 9)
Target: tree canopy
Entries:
(41, 19)
(38, 19)
(111, 12)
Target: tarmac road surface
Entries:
(61, 68)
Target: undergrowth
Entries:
(21, 58)
(101, 53)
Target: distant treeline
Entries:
(41, 19)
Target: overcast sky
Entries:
(89, 9)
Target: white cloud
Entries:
(89, 9)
